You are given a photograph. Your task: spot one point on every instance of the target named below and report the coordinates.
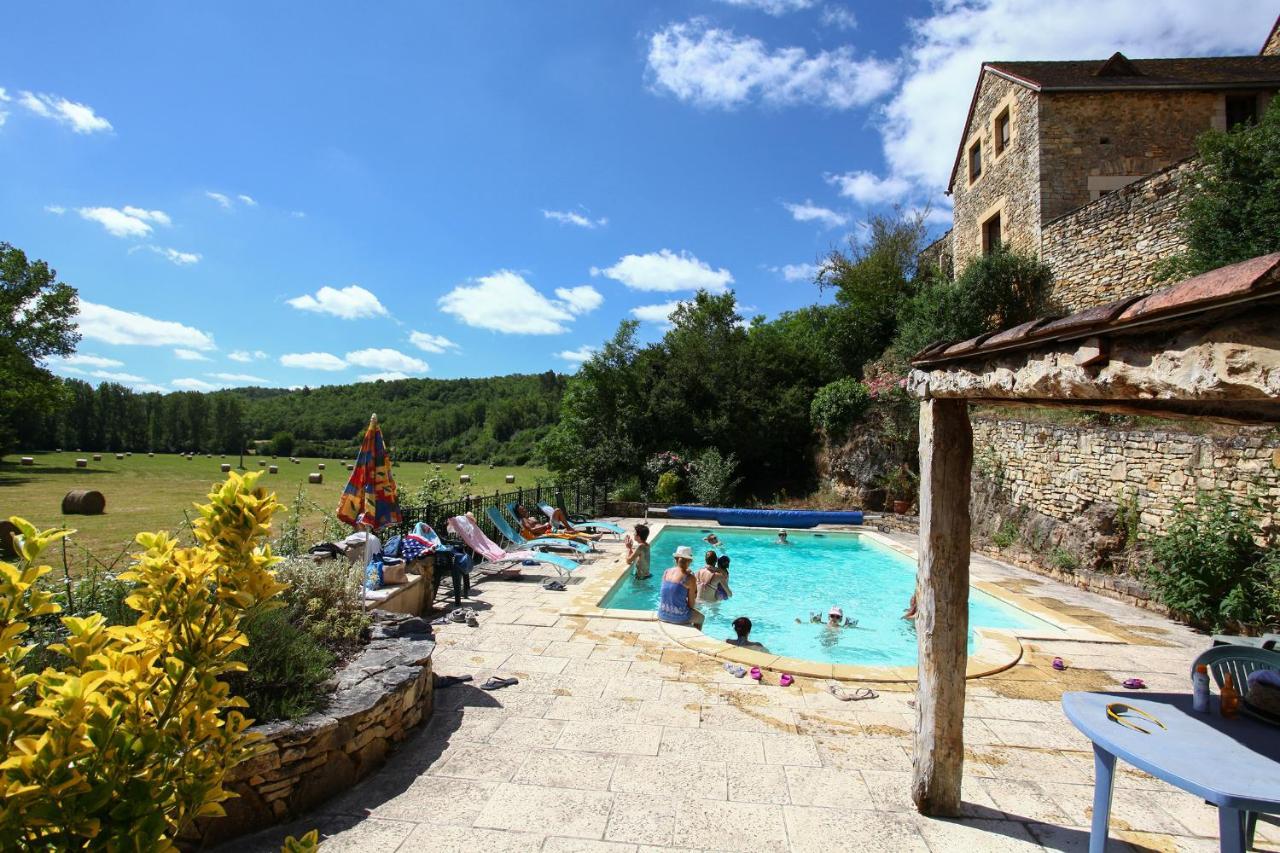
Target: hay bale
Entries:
(28, 460)
(511, 478)
(320, 465)
(315, 477)
(274, 469)
(82, 463)
(97, 457)
(151, 455)
(8, 530)
(83, 502)
(464, 478)
(225, 466)
(262, 463)
(350, 467)
(128, 453)
(119, 455)
(459, 466)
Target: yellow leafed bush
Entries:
(131, 739)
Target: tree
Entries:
(37, 321)
(282, 443)
(1234, 211)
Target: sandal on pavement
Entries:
(735, 670)
(846, 695)
(785, 680)
(496, 683)
(756, 674)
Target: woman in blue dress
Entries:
(676, 601)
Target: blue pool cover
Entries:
(797, 518)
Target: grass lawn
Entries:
(150, 493)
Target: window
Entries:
(991, 234)
(975, 162)
(1002, 131)
(1241, 109)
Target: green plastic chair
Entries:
(1239, 661)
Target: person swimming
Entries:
(782, 538)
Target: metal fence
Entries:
(578, 498)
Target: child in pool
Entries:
(835, 619)
(782, 538)
(638, 551)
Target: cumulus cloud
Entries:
(174, 256)
(223, 200)
(504, 302)
(189, 355)
(776, 8)
(112, 376)
(55, 209)
(125, 222)
(386, 359)
(665, 271)
(714, 67)
(349, 303)
(248, 200)
(577, 356)
(582, 299)
(81, 118)
(113, 326)
(313, 361)
(190, 383)
(867, 188)
(246, 356)
(386, 376)
(239, 378)
(87, 360)
(796, 272)
(810, 212)
(658, 314)
(428, 342)
(838, 17)
(572, 217)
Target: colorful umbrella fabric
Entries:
(370, 495)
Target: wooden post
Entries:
(942, 607)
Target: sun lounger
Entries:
(576, 537)
(514, 540)
(495, 556)
(598, 524)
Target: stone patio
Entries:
(618, 739)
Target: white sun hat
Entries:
(684, 552)
(835, 611)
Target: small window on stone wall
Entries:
(975, 162)
(991, 235)
(1241, 109)
(1002, 131)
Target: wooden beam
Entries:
(942, 606)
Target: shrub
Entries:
(1210, 567)
(130, 741)
(838, 405)
(1064, 560)
(669, 488)
(1008, 533)
(285, 669)
(282, 443)
(711, 477)
(628, 490)
(326, 601)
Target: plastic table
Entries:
(1233, 764)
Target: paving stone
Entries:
(558, 768)
(748, 719)
(591, 709)
(665, 714)
(475, 761)
(533, 808)
(582, 845)
(711, 745)
(993, 835)
(610, 737)
(757, 783)
(791, 749)
(441, 799)
(527, 732)
(534, 663)
(812, 829)
(643, 774)
(457, 839)
(721, 825)
(367, 835)
(644, 819)
(821, 786)
(633, 687)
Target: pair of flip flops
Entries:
(756, 674)
(844, 694)
(462, 615)
(496, 683)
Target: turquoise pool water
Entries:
(773, 585)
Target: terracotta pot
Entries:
(901, 507)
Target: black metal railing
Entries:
(578, 498)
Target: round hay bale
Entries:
(459, 466)
(262, 463)
(464, 478)
(511, 478)
(315, 477)
(119, 455)
(82, 463)
(8, 530)
(128, 453)
(350, 467)
(320, 465)
(151, 456)
(97, 457)
(225, 466)
(28, 460)
(83, 502)
(274, 469)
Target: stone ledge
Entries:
(381, 695)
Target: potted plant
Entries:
(900, 488)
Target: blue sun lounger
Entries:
(540, 544)
(598, 524)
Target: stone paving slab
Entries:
(619, 740)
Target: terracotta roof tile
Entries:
(1208, 289)
(1192, 72)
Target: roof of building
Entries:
(1121, 73)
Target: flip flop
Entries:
(846, 695)
(1058, 664)
(756, 674)
(1135, 684)
(735, 670)
(785, 679)
(496, 683)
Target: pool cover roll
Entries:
(794, 518)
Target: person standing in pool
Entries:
(638, 552)
(713, 580)
(742, 627)
(679, 595)
(782, 538)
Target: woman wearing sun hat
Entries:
(679, 591)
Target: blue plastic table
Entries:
(1234, 764)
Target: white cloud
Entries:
(667, 272)
(838, 17)
(125, 222)
(810, 212)
(313, 361)
(349, 303)
(55, 209)
(189, 355)
(772, 7)
(87, 360)
(223, 200)
(923, 122)
(386, 359)
(248, 200)
(582, 299)
(181, 259)
(239, 377)
(428, 342)
(298, 214)
(111, 376)
(113, 326)
(659, 314)
(387, 376)
(795, 272)
(504, 302)
(150, 388)
(79, 117)
(4, 94)
(867, 188)
(717, 68)
(245, 356)
(577, 356)
(572, 217)
(192, 384)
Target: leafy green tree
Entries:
(837, 405)
(37, 321)
(1234, 211)
(282, 443)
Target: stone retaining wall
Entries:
(381, 696)
(1111, 247)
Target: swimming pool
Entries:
(774, 585)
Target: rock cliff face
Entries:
(857, 466)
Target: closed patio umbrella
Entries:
(370, 495)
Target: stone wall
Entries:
(1110, 248)
(381, 696)
(1114, 135)
(1272, 47)
(1008, 181)
(1063, 472)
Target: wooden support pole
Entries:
(942, 607)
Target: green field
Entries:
(150, 493)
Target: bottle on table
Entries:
(1200, 689)
(1229, 698)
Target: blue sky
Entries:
(314, 193)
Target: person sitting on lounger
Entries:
(742, 627)
(638, 552)
(678, 598)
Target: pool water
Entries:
(774, 585)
